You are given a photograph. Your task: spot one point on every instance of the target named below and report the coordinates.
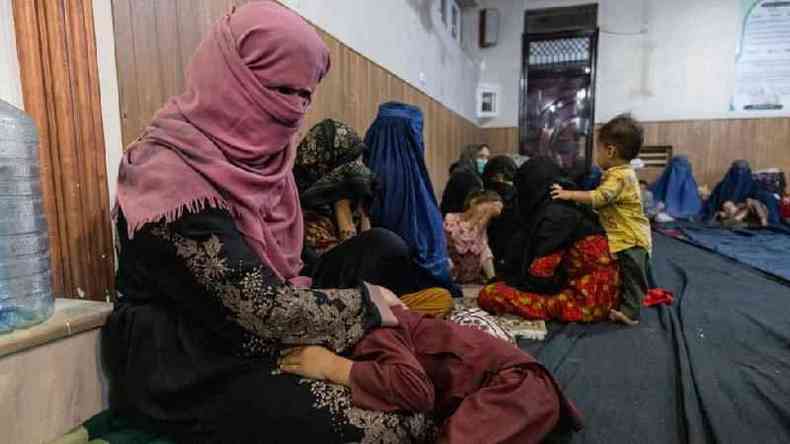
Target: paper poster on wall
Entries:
(763, 57)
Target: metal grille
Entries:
(559, 51)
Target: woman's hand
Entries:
(315, 362)
(390, 298)
(384, 300)
(364, 223)
(344, 218)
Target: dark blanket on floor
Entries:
(766, 249)
(712, 368)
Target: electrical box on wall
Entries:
(488, 100)
(489, 27)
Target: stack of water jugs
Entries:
(25, 276)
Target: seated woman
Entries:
(559, 266)
(677, 190)
(405, 203)
(464, 178)
(210, 235)
(335, 186)
(498, 177)
(737, 186)
(467, 238)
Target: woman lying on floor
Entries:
(211, 294)
(559, 266)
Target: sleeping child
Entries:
(461, 377)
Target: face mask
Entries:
(481, 165)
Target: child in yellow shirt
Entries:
(619, 204)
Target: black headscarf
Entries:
(546, 225)
(498, 169)
(498, 177)
(464, 180)
(328, 166)
(467, 161)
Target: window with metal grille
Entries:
(550, 53)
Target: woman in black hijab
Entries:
(498, 177)
(558, 264)
(465, 178)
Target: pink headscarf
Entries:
(227, 142)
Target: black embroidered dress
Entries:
(191, 346)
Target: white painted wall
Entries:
(10, 85)
(500, 64)
(108, 88)
(682, 67)
(406, 37)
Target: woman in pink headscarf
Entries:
(210, 291)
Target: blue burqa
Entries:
(405, 203)
(678, 190)
(592, 180)
(737, 186)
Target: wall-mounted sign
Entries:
(763, 57)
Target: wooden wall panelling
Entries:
(60, 83)
(501, 140)
(352, 91)
(711, 145)
(169, 45)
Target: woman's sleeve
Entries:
(386, 376)
(220, 265)
(552, 237)
(556, 230)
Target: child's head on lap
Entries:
(487, 203)
(619, 142)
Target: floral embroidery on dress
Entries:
(376, 427)
(545, 266)
(272, 314)
(593, 286)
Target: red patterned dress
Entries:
(593, 286)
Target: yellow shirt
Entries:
(619, 203)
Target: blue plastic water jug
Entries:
(25, 271)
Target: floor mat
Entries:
(766, 249)
(711, 368)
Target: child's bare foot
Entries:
(618, 316)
